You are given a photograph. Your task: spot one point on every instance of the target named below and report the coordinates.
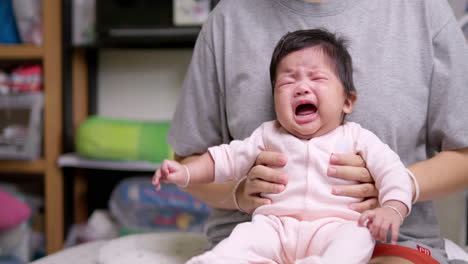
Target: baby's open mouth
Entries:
(305, 109)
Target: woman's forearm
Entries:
(442, 175)
(213, 194)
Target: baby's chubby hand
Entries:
(170, 171)
(381, 220)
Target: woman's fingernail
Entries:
(333, 158)
(352, 207)
(282, 159)
(280, 188)
(283, 178)
(331, 171)
(336, 190)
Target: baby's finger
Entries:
(156, 177)
(165, 167)
(365, 218)
(153, 180)
(384, 231)
(395, 230)
(375, 230)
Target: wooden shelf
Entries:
(21, 51)
(75, 161)
(169, 37)
(26, 167)
(50, 56)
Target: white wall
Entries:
(452, 217)
(141, 84)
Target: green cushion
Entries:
(114, 139)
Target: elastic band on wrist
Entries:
(234, 191)
(416, 186)
(188, 177)
(396, 210)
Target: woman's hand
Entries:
(350, 166)
(262, 178)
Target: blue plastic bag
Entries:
(8, 30)
(138, 207)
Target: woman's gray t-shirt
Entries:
(410, 71)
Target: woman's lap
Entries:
(396, 254)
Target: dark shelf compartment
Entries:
(146, 38)
(141, 24)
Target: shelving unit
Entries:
(50, 56)
(81, 96)
(24, 167)
(22, 51)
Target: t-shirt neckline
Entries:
(322, 8)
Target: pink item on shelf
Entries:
(27, 79)
(12, 211)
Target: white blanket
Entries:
(161, 248)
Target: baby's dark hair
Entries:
(333, 46)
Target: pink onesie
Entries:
(306, 223)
